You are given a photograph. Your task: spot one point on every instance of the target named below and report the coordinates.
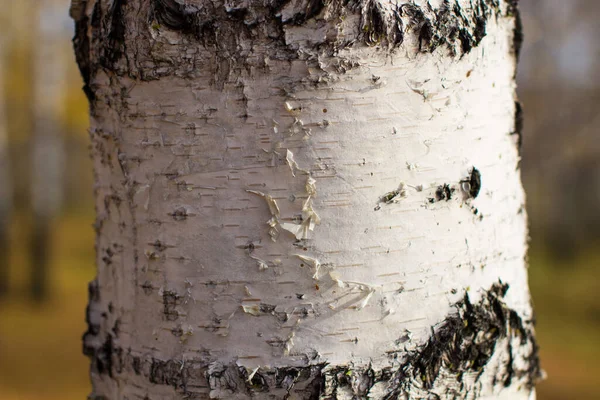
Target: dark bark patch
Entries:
(444, 192)
(168, 372)
(116, 329)
(286, 378)
(159, 246)
(177, 16)
(513, 11)
(136, 364)
(170, 301)
(449, 24)
(94, 291)
(255, 384)
(465, 342)
(105, 40)
(518, 129)
(177, 331)
(108, 255)
(270, 310)
(93, 328)
(462, 345)
(374, 26)
(476, 213)
(224, 379)
(102, 360)
(309, 9)
(472, 185)
(81, 45)
(114, 47)
(462, 342)
(147, 287)
(180, 214)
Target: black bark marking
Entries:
(444, 192)
(180, 214)
(258, 383)
(104, 40)
(173, 15)
(177, 331)
(455, 344)
(170, 301)
(105, 46)
(466, 341)
(98, 344)
(390, 197)
(461, 345)
(518, 129)
(513, 11)
(103, 358)
(94, 291)
(116, 329)
(107, 258)
(190, 19)
(169, 373)
(447, 24)
(81, 46)
(311, 9)
(93, 328)
(269, 309)
(147, 287)
(473, 183)
(375, 28)
(114, 47)
(159, 246)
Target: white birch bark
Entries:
(306, 200)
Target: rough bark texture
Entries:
(306, 200)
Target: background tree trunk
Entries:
(306, 199)
(5, 180)
(47, 141)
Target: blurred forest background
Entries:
(46, 204)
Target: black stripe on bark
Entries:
(219, 28)
(462, 345)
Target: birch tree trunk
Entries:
(306, 199)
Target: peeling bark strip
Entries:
(291, 195)
(450, 362)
